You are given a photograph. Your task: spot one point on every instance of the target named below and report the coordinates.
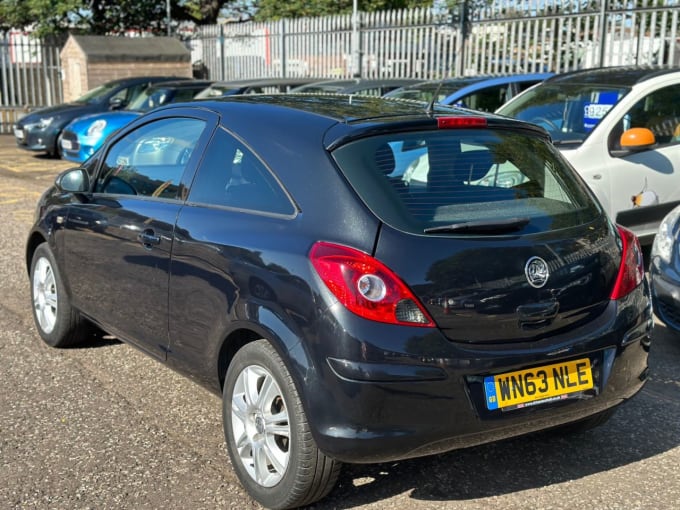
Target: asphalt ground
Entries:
(102, 426)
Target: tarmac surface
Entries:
(103, 426)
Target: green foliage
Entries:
(275, 9)
(49, 17)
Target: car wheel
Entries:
(267, 434)
(59, 325)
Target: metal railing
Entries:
(505, 36)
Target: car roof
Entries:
(349, 115)
(264, 82)
(356, 84)
(618, 75)
(142, 79)
(183, 84)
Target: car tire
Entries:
(267, 433)
(58, 323)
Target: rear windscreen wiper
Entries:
(481, 226)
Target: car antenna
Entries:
(430, 107)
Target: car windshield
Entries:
(465, 181)
(152, 97)
(425, 91)
(97, 95)
(568, 111)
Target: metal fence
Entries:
(30, 75)
(506, 36)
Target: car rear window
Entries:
(426, 182)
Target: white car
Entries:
(619, 127)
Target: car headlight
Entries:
(45, 122)
(665, 237)
(96, 128)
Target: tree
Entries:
(275, 9)
(48, 17)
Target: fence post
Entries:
(221, 40)
(603, 30)
(284, 56)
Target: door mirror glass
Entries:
(74, 180)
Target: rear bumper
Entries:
(415, 394)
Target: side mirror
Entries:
(116, 103)
(637, 139)
(74, 180)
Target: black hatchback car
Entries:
(260, 246)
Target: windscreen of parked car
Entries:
(97, 94)
(568, 111)
(467, 181)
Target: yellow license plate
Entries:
(537, 385)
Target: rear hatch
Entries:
(488, 226)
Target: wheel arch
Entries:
(274, 330)
(34, 240)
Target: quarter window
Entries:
(150, 161)
(232, 176)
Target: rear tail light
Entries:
(366, 287)
(632, 269)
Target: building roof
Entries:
(100, 48)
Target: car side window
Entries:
(150, 161)
(486, 100)
(230, 175)
(659, 111)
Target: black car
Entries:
(255, 86)
(259, 246)
(40, 129)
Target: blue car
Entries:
(475, 92)
(84, 135)
(483, 93)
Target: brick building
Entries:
(89, 60)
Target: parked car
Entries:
(40, 129)
(256, 245)
(620, 128)
(485, 93)
(257, 86)
(477, 93)
(362, 86)
(664, 270)
(84, 135)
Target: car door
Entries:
(118, 241)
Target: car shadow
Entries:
(641, 429)
(96, 340)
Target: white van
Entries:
(619, 127)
